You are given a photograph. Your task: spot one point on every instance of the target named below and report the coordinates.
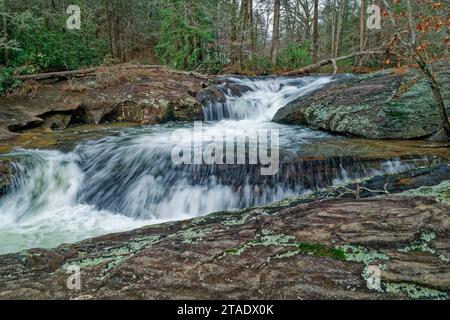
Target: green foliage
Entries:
(294, 56)
(7, 80)
(187, 36)
(257, 64)
(42, 43)
(49, 46)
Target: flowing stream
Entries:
(129, 180)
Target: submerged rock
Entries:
(382, 105)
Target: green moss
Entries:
(321, 251)
(235, 251)
(313, 250)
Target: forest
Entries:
(216, 36)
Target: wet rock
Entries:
(217, 94)
(423, 181)
(383, 105)
(319, 250)
(5, 175)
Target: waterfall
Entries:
(129, 180)
(263, 100)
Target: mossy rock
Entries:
(383, 105)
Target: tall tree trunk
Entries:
(362, 29)
(234, 31)
(243, 29)
(333, 30)
(339, 27)
(436, 91)
(276, 32)
(111, 26)
(316, 32)
(444, 42)
(251, 26)
(5, 35)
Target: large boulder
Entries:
(382, 105)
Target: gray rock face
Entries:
(376, 106)
(216, 94)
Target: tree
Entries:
(276, 31)
(414, 49)
(333, 31)
(5, 34)
(362, 29)
(316, 32)
(339, 27)
(234, 54)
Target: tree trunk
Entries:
(436, 92)
(5, 36)
(251, 27)
(362, 29)
(113, 29)
(276, 32)
(333, 31)
(234, 32)
(332, 61)
(243, 29)
(316, 32)
(339, 27)
(426, 70)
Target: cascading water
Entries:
(264, 98)
(126, 181)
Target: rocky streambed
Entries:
(345, 217)
(310, 247)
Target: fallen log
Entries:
(60, 74)
(322, 63)
(93, 71)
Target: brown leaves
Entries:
(421, 47)
(399, 69)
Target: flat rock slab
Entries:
(320, 250)
(123, 93)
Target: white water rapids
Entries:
(127, 181)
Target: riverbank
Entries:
(122, 93)
(380, 105)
